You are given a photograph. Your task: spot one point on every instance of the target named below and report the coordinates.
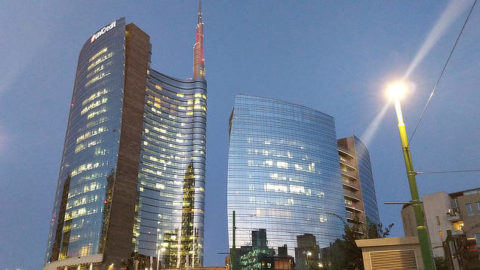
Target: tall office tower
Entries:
(131, 181)
(283, 173)
(357, 180)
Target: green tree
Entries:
(344, 253)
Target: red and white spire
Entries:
(198, 61)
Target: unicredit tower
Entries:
(130, 191)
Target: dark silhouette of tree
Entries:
(344, 254)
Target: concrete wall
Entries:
(435, 207)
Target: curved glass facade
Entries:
(171, 179)
(91, 147)
(283, 173)
(366, 181)
(132, 177)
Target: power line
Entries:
(452, 171)
(443, 71)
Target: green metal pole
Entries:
(417, 206)
(232, 253)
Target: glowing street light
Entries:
(396, 92)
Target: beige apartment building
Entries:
(458, 212)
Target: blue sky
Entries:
(333, 56)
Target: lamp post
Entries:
(396, 92)
(308, 259)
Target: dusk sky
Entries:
(333, 56)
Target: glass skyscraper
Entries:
(283, 173)
(132, 176)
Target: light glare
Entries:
(397, 90)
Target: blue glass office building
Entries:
(283, 173)
(132, 177)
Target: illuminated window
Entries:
(96, 122)
(348, 202)
(282, 165)
(94, 96)
(97, 112)
(297, 189)
(91, 133)
(291, 179)
(97, 78)
(85, 167)
(268, 163)
(323, 218)
(100, 151)
(277, 176)
(275, 187)
(94, 105)
(100, 60)
(102, 51)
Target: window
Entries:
(438, 221)
(469, 207)
(282, 165)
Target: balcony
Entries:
(348, 163)
(350, 184)
(453, 215)
(350, 194)
(351, 174)
(353, 207)
(345, 151)
(354, 218)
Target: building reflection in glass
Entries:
(283, 173)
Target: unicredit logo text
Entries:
(103, 31)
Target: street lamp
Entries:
(396, 92)
(308, 259)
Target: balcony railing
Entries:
(453, 215)
(351, 195)
(350, 184)
(345, 151)
(351, 174)
(353, 207)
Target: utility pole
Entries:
(423, 239)
(232, 252)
